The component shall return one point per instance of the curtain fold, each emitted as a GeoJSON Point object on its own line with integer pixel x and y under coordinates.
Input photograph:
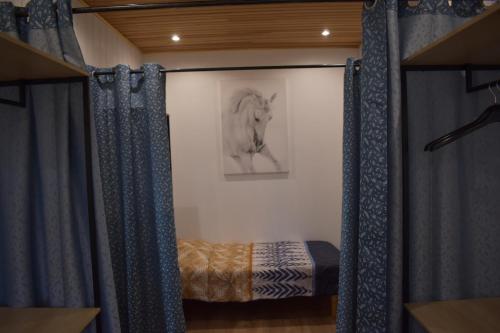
{"type": "Point", "coordinates": [44, 224]}
{"type": "Point", "coordinates": [350, 203]}
{"type": "Point", "coordinates": [134, 155]}
{"type": "Point", "coordinates": [370, 291]}
{"type": "Point", "coordinates": [371, 276]}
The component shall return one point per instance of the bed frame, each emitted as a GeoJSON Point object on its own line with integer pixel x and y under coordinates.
{"type": "Point", "coordinates": [317, 309]}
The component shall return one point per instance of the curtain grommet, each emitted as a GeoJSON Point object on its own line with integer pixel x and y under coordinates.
{"type": "Point", "coordinates": [368, 6]}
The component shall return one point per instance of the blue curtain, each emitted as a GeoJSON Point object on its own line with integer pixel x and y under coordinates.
{"type": "Point", "coordinates": [350, 208]}
{"type": "Point", "coordinates": [371, 277]}
{"type": "Point", "coordinates": [370, 265]}
{"type": "Point", "coordinates": [44, 223]}
{"type": "Point", "coordinates": [134, 155]}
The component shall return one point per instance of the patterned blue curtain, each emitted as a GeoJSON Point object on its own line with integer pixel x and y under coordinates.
{"type": "Point", "coordinates": [44, 224]}
{"type": "Point", "coordinates": [371, 277]}
{"type": "Point", "coordinates": [350, 211]}
{"type": "Point", "coordinates": [370, 266]}
{"type": "Point", "coordinates": [134, 155]}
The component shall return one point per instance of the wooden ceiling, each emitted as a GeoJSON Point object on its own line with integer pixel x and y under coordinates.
{"type": "Point", "coordinates": [238, 27]}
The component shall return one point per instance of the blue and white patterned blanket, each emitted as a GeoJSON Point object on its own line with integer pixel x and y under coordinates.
{"type": "Point", "coordinates": [289, 269]}
{"type": "Point", "coordinates": [282, 269]}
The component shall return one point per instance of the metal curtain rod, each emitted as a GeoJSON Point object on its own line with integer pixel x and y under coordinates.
{"type": "Point", "coordinates": [224, 69]}
{"type": "Point", "coordinates": [21, 11]}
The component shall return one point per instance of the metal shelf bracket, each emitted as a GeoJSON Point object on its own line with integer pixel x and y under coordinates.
{"type": "Point", "coordinates": [470, 87]}
{"type": "Point", "coordinates": [21, 102]}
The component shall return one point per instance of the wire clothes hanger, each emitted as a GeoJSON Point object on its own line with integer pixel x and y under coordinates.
{"type": "Point", "coordinates": [489, 116]}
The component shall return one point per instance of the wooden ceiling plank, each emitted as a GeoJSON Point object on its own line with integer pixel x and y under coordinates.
{"type": "Point", "coordinates": [233, 27]}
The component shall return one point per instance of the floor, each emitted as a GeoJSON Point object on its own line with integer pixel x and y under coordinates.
{"type": "Point", "coordinates": [298, 315]}
{"type": "Point", "coordinates": [311, 325]}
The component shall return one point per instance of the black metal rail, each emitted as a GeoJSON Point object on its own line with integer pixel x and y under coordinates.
{"type": "Point", "coordinates": [21, 11]}
{"type": "Point", "coordinates": [470, 87]}
{"type": "Point", "coordinates": [468, 69]}
{"type": "Point", "coordinates": [225, 69]}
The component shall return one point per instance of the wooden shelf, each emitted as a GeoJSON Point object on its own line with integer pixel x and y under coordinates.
{"type": "Point", "coordinates": [459, 316]}
{"type": "Point", "coordinates": [476, 42]}
{"type": "Point", "coordinates": [45, 320]}
{"type": "Point", "coordinates": [21, 61]}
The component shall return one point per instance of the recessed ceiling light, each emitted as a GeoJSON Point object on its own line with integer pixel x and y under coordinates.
{"type": "Point", "coordinates": [325, 33]}
{"type": "Point", "coordinates": [176, 38]}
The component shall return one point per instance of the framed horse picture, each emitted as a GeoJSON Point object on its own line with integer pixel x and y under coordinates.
{"type": "Point", "coordinates": [254, 126]}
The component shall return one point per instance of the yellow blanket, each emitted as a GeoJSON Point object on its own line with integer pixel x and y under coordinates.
{"type": "Point", "coordinates": [215, 272]}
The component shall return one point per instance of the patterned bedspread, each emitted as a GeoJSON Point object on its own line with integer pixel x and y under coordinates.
{"type": "Point", "coordinates": [244, 272]}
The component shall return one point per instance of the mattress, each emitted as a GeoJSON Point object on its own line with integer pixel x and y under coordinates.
{"type": "Point", "coordinates": [238, 272]}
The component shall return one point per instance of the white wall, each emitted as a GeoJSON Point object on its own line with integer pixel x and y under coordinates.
{"type": "Point", "coordinates": [101, 44]}
{"type": "Point", "coordinates": [304, 205]}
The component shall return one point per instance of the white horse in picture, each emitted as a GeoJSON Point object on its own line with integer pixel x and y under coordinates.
{"type": "Point", "coordinates": [244, 126]}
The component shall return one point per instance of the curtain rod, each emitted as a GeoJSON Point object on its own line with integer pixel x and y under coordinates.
{"type": "Point", "coordinates": [21, 11]}
{"type": "Point", "coordinates": [224, 69]}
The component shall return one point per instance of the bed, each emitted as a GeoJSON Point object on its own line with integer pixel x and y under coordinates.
{"type": "Point", "coordinates": [237, 272]}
